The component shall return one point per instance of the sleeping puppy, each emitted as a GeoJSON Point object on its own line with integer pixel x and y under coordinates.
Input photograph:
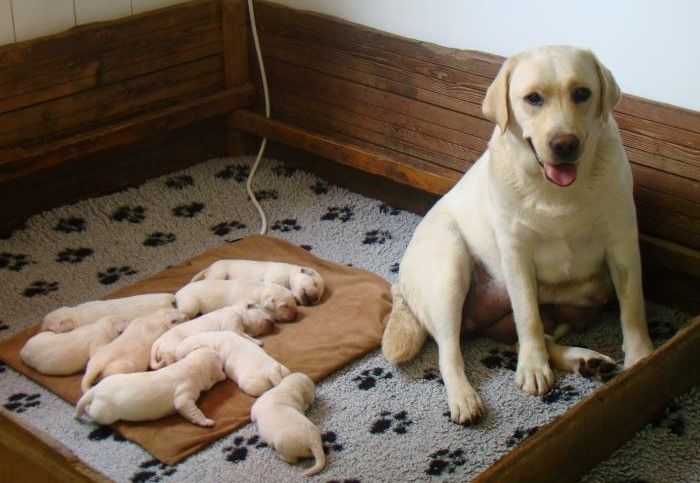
{"type": "Point", "coordinates": [246, 319]}
{"type": "Point", "coordinates": [538, 232]}
{"type": "Point", "coordinates": [68, 318]}
{"type": "Point", "coordinates": [145, 396]}
{"type": "Point", "coordinates": [130, 352]}
{"type": "Point", "coordinates": [305, 283]}
{"type": "Point", "coordinates": [279, 414]}
{"type": "Point", "coordinates": [67, 353]}
{"type": "Point", "coordinates": [245, 363]}
{"type": "Point", "coordinates": [207, 295]}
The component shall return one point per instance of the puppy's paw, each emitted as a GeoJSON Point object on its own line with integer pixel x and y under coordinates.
{"type": "Point", "coordinates": [534, 376]}
{"type": "Point", "coordinates": [205, 423]}
{"type": "Point", "coordinates": [466, 407]}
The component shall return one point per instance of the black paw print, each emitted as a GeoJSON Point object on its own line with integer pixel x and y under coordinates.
{"type": "Point", "coordinates": [223, 229]}
{"type": "Point", "coordinates": [40, 287]}
{"type": "Point", "coordinates": [101, 433]}
{"type": "Point", "coordinates": [433, 374]}
{"type": "Point", "coordinates": [188, 211]}
{"type": "Point", "coordinates": [670, 419]}
{"type": "Point", "coordinates": [239, 450]}
{"type": "Point", "coordinates": [507, 359]}
{"type": "Point", "coordinates": [445, 460]}
{"type": "Point", "coordinates": [661, 331]}
{"type": "Point", "coordinates": [3, 367]}
{"type": "Point", "coordinates": [73, 255]}
{"type": "Point", "coordinates": [384, 422]}
{"type": "Point", "coordinates": [519, 435]}
{"type": "Point", "coordinates": [132, 214]}
{"type": "Point", "coordinates": [286, 225]}
{"type": "Point", "coordinates": [159, 238]}
{"type": "Point", "coordinates": [308, 248]}
{"type": "Point", "coordinates": [565, 393]}
{"type": "Point", "coordinates": [152, 471]}
{"type": "Point", "coordinates": [386, 209]}
{"type": "Point", "coordinates": [262, 195]}
{"type": "Point", "coordinates": [238, 172]}
{"type": "Point", "coordinates": [394, 267]}
{"type": "Point", "coordinates": [179, 182]}
{"type": "Point", "coordinates": [20, 402]}
{"type": "Point", "coordinates": [368, 378]}
{"type": "Point", "coordinates": [320, 188]}
{"type": "Point", "coordinates": [376, 237]}
{"type": "Point", "coordinates": [14, 262]}
{"type": "Point", "coordinates": [284, 171]}
{"type": "Point", "coordinates": [3, 325]}
{"type": "Point", "coordinates": [112, 274]}
{"type": "Point", "coordinates": [343, 214]}
{"type": "Point", "coordinates": [72, 224]}
{"type": "Point", "coordinates": [330, 442]}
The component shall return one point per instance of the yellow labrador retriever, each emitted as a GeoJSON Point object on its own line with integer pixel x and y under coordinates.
{"type": "Point", "coordinates": [538, 232]}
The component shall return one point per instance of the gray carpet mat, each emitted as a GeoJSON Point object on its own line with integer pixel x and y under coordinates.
{"type": "Point", "coordinates": [379, 422]}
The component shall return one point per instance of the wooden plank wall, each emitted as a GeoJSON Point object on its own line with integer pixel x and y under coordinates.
{"type": "Point", "coordinates": [87, 92]}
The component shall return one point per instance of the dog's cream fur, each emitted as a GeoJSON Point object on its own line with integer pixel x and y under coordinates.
{"type": "Point", "coordinates": [245, 363]}
{"type": "Point", "coordinates": [305, 283]}
{"type": "Point", "coordinates": [248, 319]}
{"type": "Point", "coordinates": [542, 242]}
{"type": "Point", "coordinates": [67, 318]}
{"type": "Point", "coordinates": [61, 354]}
{"type": "Point", "coordinates": [130, 352]}
{"type": "Point", "coordinates": [145, 396]}
{"type": "Point", "coordinates": [282, 424]}
{"type": "Point", "coordinates": [206, 296]}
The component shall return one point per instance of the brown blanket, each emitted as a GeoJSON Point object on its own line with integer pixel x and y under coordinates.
{"type": "Point", "coordinates": [347, 324]}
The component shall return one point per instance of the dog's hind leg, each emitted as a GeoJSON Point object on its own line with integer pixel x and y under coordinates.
{"type": "Point", "coordinates": [404, 335]}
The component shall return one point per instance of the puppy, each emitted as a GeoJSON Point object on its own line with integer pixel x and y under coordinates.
{"type": "Point", "coordinates": [130, 352]}
{"type": "Point", "coordinates": [279, 414]}
{"type": "Point", "coordinates": [67, 353]}
{"type": "Point", "coordinates": [68, 318]}
{"type": "Point", "coordinates": [305, 283]}
{"type": "Point", "coordinates": [249, 319]}
{"type": "Point", "coordinates": [545, 219]}
{"type": "Point", "coordinates": [245, 363]}
{"type": "Point", "coordinates": [145, 396]}
{"type": "Point", "coordinates": [208, 295]}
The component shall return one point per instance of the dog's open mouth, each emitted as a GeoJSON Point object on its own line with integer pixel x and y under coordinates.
{"type": "Point", "coordinates": [562, 174]}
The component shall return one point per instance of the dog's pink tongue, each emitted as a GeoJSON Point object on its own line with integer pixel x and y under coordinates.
{"type": "Point", "coordinates": [561, 174]}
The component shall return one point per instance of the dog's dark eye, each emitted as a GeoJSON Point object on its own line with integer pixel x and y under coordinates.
{"type": "Point", "coordinates": [534, 99]}
{"type": "Point", "coordinates": [581, 95]}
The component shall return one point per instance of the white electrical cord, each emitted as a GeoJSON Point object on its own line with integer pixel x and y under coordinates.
{"type": "Point", "coordinates": [248, 185]}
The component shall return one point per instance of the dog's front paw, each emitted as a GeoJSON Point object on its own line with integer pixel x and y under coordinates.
{"type": "Point", "coordinates": [534, 375]}
{"type": "Point", "coordinates": [465, 407]}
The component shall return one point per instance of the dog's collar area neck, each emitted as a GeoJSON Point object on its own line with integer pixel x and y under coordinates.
{"type": "Point", "coordinates": [561, 175]}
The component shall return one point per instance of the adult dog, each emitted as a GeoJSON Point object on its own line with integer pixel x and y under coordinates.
{"type": "Point", "coordinates": [539, 231]}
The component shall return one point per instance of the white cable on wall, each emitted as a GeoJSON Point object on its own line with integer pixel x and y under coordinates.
{"type": "Point", "coordinates": [248, 185]}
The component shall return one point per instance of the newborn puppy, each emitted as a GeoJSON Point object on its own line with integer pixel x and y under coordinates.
{"type": "Point", "coordinates": [144, 396]}
{"type": "Point", "coordinates": [245, 363]}
{"type": "Point", "coordinates": [130, 351]}
{"type": "Point", "coordinates": [208, 295]}
{"type": "Point", "coordinates": [67, 353]}
{"type": "Point", "coordinates": [249, 319]}
{"type": "Point", "coordinates": [68, 318]}
{"type": "Point", "coordinates": [305, 283]}
{"type": "Point", "coordinates": [282, 424]}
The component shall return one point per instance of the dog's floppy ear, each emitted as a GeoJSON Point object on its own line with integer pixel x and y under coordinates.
{"type": "Point", "coordinates": [609, 90]}
{"type": "Point", "coordinates": [495, 106]}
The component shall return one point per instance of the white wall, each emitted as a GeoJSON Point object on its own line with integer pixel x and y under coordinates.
{"type": "Point", "coordinates": [651, 46]}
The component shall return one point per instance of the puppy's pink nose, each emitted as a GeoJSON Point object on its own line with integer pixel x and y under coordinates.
{"type": "Point", "coordinates": [564, 146]}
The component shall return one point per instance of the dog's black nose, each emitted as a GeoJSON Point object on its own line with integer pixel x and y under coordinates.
{"type": "Point", "coordinates": [564, 146]}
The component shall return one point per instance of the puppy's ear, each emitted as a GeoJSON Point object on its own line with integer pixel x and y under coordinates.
{"type": "Point", "coordinates": [609, 90]}
{"type": "Point", "coordinates": [496, 105]}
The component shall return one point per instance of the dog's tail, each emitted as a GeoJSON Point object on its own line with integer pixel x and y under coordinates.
{"type": "Point", "coordinates": [404, 334]}
{"type": "Point", "coordinates": [319, 456]}
{"type": "Point", "coordinates": [83, 403]}
{"type": "Point", "coordinates": [92, 373]}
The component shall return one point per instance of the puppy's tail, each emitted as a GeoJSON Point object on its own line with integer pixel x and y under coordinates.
{"type": "Point", "coordinates": [319, 456]}
{"type": "Point", "coordinates": [91, 374]}
{"type": "Point", "coordinates": [404, 335]}
{"type": "Point", "coordinates": [83, 403]}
